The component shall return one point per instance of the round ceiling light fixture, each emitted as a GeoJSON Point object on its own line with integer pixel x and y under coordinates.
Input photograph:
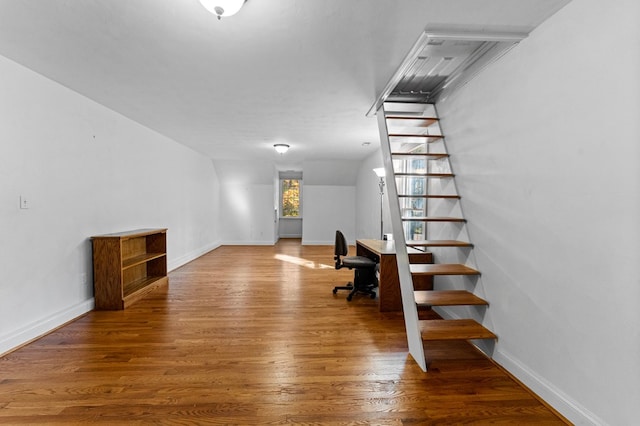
{"type": "Point", "coordinates": [222, 8]}
{"type": "Point", "coordinates": [281, 148]}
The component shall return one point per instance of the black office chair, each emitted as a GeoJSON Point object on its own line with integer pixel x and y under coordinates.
{"type": "Point", "coordinates": [364, 280]}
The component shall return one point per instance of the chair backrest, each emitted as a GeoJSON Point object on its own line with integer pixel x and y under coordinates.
{"type": "Point", "coordinates": [340, 248]}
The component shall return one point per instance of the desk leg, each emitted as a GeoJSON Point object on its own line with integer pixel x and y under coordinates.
{"type": "Point", "coordinates": [389, 297]}
{"type": "Point", "coordinates": [389, 286]}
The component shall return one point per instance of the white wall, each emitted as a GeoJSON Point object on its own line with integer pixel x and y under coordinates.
{"type": "Point", "coordinates": [545, 146]}
{"type": "Point", "coordinates": [368, 200]}
{"type": "Point", "coordinates": [247, 202]}
{"type": "Point", "coordinates": [247, 214]}
{"type": "Point", "coordinates": [329, 201]}
{"type": "Point", "coordinates": [290, 227]}
{"type": "Point", "coordinates": [326, 209]}
{"type": "Point", "coordinates": [85, 170]}
{"type": "Point", "coordinates": [334, 172]}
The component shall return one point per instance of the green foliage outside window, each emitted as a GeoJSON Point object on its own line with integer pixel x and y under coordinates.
{"type": "Point", "coordinates": [290, 198]}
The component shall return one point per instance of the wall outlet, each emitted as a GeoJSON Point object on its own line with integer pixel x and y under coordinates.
{"type": "Point", "coordinates": [24, 202]}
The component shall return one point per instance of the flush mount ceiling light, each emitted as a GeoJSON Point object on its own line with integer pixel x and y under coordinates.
{"type": "Point", "coordinates": [222, 8]}
{"type": "Point", "coordinates": [281, 148]}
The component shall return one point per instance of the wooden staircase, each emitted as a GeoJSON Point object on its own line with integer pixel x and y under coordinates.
{"type": "Point", "coordinates": [415, 154]}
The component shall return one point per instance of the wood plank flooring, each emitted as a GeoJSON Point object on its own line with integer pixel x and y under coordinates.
{"type": "Point", "coordinates": [253, 335]}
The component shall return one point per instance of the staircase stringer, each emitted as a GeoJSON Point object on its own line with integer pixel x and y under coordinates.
{"type": "Point", "coordinates": [412, 325]}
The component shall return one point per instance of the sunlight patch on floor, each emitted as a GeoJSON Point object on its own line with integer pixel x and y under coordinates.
{"type": "Point", "coordinates": [302, 262]}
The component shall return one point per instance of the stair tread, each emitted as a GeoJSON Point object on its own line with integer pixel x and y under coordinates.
{"type": "Point", "coordinates": [438, 243]}
{"type": "Point", "coordinates": [428, 196]}
{"type": "Point", "coordinates": [414, 135]}
{"type": "Point", "coordinates": [442, 269]}
{"type": "Point", "coordinates": [459, 329]}
{"type": "Point", "coordinates": [432, 219]}
{"type": "Point", "coordinates": [447, 298]}
{"type": "Point", "coordinates": [421, 154]}
{"type": "Point", "coordinates": [405, 103]}
{"type": "Point", "coordinates": [409, 117]}
{"type": "Point", "coordinates": [404, 121]}
{"type": "Point", "coordinates": [425, 174]}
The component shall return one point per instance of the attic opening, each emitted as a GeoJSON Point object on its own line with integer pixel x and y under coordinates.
{"type": "Point", "coordinates": [442, 61]}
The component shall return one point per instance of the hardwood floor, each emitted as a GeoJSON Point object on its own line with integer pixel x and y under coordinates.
{"type": "Point", "coordinates": [253, 335]}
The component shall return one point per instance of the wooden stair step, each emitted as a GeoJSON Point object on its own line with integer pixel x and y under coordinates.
{"type": "Point", "coordinates": [447, 298]}
{"type": "Point", "coordinates": [429, 175]}
{"type": "Point", "coordinates": [409, 115]}
{"type": "Point", "coordinates": [442, 269]}
{"type": "Point", "coordinates": [395, 138]}
{"type": "Point", "coordinates": [438, 243]}
{"type": "Point", "coordinates": [432, 219]}
{"type": "Point", "coordinates": [401, 120]}
{"type": "Point", "coordinates": [429, 196]}
{"type": "Point", "coordinates": [459, 329]}
{"type": "Point", "coordinates": [420, 154]}
{"type": "Point", "coordinates": [414, 135]}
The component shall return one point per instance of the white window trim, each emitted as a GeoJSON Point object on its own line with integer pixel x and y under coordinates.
{"type": "Point", "coordinates": [280, 207]}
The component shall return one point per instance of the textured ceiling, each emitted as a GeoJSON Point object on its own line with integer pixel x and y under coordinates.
{"type": "Point", "coordinates": [302, 72]}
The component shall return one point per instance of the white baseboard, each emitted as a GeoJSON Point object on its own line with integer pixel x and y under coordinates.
{"type": "Point", "coordinates": [17, 338]}
{"type": "Point", "coordinates": [317, 243]}
{"type": "Point", "coordinates": [562, 402]}
{"type": "Point", "coordinates": [553, 396]}
{"type": "Point", "coordinates": [192, 255]}
{"type": "Point", "coordinates": [248, 243]}
{"type": "Point", "coordinates": [39, 328]}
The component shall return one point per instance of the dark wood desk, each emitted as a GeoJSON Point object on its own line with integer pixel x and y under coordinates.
{"type": "Point", "coordinates": [389, 286]}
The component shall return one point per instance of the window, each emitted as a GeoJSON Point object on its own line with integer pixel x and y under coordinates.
{"type": "Point", "coordinates": [290, 194]}
{"type": "Point", "coordinates": [290, 197]}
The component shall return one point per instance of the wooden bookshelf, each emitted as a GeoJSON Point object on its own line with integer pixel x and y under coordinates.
{"type": "Point", "coordinates": [127, 266]}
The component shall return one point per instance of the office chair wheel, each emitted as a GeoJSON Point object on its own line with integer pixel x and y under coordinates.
{"type": "Point", "coordinates": [335, 291]}
{"type": "Point", "coordinates": [373, 295]}
{"type": "Point", "coordinates": [349, 297]}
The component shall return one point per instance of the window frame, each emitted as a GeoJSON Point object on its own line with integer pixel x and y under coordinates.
{"type": "Point", "coordinates": [281, 199]}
